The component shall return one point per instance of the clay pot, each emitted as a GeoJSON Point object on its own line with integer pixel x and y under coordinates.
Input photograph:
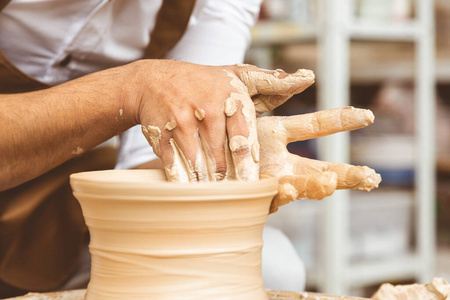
{"type": "Point", "coordinates": [153, 239]}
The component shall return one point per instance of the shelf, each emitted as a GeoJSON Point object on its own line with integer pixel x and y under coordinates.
{"type": "Point", "coordinates": [335, 70]}
{"type": "Point", "coordinates": [374, 273]}
{"type": "Point", "coordinates": [267, 33]}
{"type": "Point", "coordinates": [369, 273]}
{"type": "Point", "coordinates": [399, 32]}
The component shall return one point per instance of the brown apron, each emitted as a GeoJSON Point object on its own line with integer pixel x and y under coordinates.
{"type": "Point", "coordinates": [42, 230]}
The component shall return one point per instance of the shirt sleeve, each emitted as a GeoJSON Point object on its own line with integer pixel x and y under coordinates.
{"type": "Point", "coordinates": [218, 33]}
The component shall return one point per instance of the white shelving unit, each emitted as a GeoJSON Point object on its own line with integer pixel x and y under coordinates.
{"type": "Point", "coordinates": [334, 31]}
{"type": "Point", "coordinates": [337, 28]}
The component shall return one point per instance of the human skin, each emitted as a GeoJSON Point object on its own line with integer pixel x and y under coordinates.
{"type": "Point", "coordinates": [301, 177]}
{"type": "Point", "coordinates": [42, 129]}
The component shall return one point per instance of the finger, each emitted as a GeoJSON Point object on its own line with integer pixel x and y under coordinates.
{"type": "Point", "coordinates": [278, 82]}
{"type": "Point", "coordinates": [349, 176]}
{"type": "Point", "coordinates": [292, 187]}
{"type": "Point", "coordinates": [204, 160]}
{"type": "Point", "coordinates": [187, 142]}
{"type": "Point", "coordinates": [241, 131]}
{"type": "Point", "coordinates": [325, 122]}
{"type": "Point", "coordinates": [355, 177]}
{"type": "Point", "coordinates": [213, 139]}
{"type": "Point", "coordinates": [230, 173]}
{"type": "Point", "coordinates": [177, 168]}
{"type": "Point", "coordinates": [165, 148]}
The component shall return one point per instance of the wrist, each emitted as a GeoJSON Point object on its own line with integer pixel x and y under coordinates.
{"type": "Point", "coordinates": [129, 93]}
{"type": "Point", "coordinates": [139, 86]}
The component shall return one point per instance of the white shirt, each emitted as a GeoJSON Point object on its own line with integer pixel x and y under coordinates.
{"type": "Point", "coordinates": [37, 35]}
{"type": "Point", "coordinates": [55, 41]}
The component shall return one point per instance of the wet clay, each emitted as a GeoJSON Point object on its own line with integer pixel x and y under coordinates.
{"type": "Point", "coordinates": [78, 151]}
{"type": "Point", "coordinates": [306, 178]}
{"type": "Point", "coordinates": [177, 171]}
{"type": "Point", "coordinates": [199, 114]}
{"type": "Point", "coordinates": [153, 136]}
{"type": "Point", "coordinates": [171, 125]}
{"type": "Point", "coordinates": [245, 166]}
{"type": "Point", "coordinates": [438, 289]}
{"type": "Point", "coordinates": [153, 239]}
{"type": "Point", "coordinates": [271, 83]}
{"type": "Point", "coordinates": [255, 91]}
{"type": "Point", "coordinates": [182, 170]}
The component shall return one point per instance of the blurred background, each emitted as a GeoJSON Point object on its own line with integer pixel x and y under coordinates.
{"type": "Point", "coordinates": [393, 57]}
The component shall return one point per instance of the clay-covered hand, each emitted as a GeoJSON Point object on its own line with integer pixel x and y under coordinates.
{"type": "Point", "coordinates": [301, 177]}
{"type": "Point", "coordinates": [201, 120]}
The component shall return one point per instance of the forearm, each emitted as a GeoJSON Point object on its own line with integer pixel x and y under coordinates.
{"type": "Point", "coordinates": [40, 130]}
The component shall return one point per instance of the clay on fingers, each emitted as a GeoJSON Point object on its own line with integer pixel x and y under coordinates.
{"type": "Point", "coordinates": [244, 149]}
{"type": "Point", "coordinates": [355, 177]}
{"type": "Point", "coordinates": [292, 187]}
{"type": "Point", "coordinates": [170, 125]}
{"type": "Point", "coordinates": [153, 136]}
{"type": "Point", "coordinates": [199, 114]}
{"type": "Point", "coordinates": [325, 122]}
{"type": "Point", "coordinates": [273, 87]}
{"type": "Point", "coordinates": [348, 176]}
{"type": "Point", "coordinates": [307, 178]}
{"type": "Point", "coordinates": [181, 169]}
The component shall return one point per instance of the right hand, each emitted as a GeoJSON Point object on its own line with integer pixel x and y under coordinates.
{"type": "Point", "coordinates": [224, 143]}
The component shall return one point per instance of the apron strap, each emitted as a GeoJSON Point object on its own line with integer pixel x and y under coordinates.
{"type": "Point", "coordinates": [3, 3]}
{"type": "Point", "coordinates": [171, 23]}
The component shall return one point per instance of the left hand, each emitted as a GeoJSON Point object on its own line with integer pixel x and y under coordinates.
{"type": "Point", "coordinates": [301, 177]}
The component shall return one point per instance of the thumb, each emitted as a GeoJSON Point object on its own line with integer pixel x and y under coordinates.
{"type": "Point", "coordinates": [270, 89]}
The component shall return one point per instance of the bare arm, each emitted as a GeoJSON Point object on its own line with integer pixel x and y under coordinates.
{"type": "Point", "coordinates": [40, 130]}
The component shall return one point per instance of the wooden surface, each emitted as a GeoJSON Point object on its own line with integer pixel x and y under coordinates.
{"type": "Point", "coordinates": [273, 295]}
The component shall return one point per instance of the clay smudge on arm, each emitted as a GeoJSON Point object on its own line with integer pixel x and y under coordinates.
{"type": "Point", "coordinates": [153, 136]}
{"type": "Point", "coordinates": [78, 151]}
{"type": "Point", "coordinates": [199, 114]}
{"type": "Point", "coordinates": [170, 125]}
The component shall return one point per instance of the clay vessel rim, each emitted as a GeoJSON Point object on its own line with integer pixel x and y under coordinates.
{"type": "Point", "coordinates": [195, 198]}
{"type": "Point", "coordinates": [95, 177]}
{"type": "Point", "coordinates": [151, 185]}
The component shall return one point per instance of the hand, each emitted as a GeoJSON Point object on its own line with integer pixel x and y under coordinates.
{"type": "Point", "coordinates": [300, 177]}
{"type": "Point", "coordinates": [201, 120]}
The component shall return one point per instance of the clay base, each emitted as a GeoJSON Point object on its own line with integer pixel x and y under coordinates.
{"type": "Point", "coordinates": [153, 239]}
